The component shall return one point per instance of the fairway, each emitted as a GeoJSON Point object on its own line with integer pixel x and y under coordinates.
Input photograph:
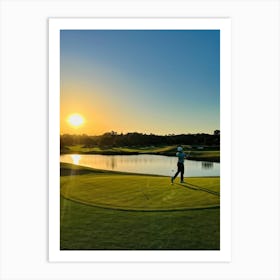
{"type": "Point", "coordinates": [141, 193]}
{"type": "Point", "coordinates": [104, 210]}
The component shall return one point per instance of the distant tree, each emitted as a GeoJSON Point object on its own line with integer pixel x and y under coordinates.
{"type": "Point", "coordinates": [113, 139]}
{"type": "Point", "coordinates": [217, 132]}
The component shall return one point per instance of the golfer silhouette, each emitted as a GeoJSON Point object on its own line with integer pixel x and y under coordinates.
{"type": "Point", "coordinates": [180, 164]}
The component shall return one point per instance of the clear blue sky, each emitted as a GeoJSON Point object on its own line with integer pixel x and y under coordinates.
{"type": "Point", "coordinates": [146, 81]}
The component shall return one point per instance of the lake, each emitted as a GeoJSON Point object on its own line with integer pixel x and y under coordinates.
{"type": "Point", "coordinates": [144, 164]}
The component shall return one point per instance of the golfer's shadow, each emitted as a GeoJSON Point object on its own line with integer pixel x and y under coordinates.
{"type": "Point", "coordinates": [197, 188]}
{"type": "Point", "coordinates": [189, 187]}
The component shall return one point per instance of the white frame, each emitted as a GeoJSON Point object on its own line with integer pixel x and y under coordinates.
{"type": "Point", "coordinates": [222, 24]}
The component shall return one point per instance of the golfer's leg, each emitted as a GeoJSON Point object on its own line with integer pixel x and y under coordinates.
{"type": "Point", "coordinates": [182, 172]}
{"type": "Point", "coordinates": [178, 170]}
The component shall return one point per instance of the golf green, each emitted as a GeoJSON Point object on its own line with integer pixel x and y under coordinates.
{"type": "Point", "coordinates": [141, 192]}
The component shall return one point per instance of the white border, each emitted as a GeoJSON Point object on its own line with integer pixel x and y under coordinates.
{"type": "Point", "coordinates": [55, 25]}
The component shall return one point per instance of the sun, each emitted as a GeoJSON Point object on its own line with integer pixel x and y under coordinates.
{"type": "Point", "coordinates": [75, 120]}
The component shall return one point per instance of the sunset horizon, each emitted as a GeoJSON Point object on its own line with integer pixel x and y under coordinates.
{"type": "Point", "coordinates": [150, 81]}
{"type": "Point", "coordinates": [137, 132]}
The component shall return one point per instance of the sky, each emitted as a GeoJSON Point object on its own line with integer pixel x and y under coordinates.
{"type": "Point", "coordinates": [147, 81]}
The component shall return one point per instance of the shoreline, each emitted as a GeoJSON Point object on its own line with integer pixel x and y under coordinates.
{"type": "Point", "coordinates": [116, 153]}
{"type": "Point", "coordinates": [72, 169]}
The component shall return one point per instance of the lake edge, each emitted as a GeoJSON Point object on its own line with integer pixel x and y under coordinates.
{"type": "Point", "coordinates": [122, 163]}
{"type": "Point", "coordinates": [117, 153]}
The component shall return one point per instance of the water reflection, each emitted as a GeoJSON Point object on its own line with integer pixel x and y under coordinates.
{"type": "Point", "coordinates": [147, 164]}
{"type": "Point", "coordinates": [111, 163]}
{"type": "Point", "coordinates": [75, 159]}
{"type": "Point", "coordinates": [207, 164]}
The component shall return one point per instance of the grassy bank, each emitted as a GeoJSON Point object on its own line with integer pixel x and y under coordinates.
{"type": "Point", "coordinates": [113, 210]}
{"type": "Point", "coordinates": [207, 154]}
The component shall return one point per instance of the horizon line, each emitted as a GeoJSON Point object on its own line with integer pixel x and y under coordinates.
{"type": "Point", "coordinates": [135, 132]}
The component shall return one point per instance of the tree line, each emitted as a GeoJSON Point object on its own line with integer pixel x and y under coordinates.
{"type": "Point", "coordinates": [113, 139]}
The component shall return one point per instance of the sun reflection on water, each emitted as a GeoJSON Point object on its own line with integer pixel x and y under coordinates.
{"type": "Point", "coordinates": [75, 159]}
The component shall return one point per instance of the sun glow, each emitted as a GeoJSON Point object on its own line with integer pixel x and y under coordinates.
{"type": "Point", "coordinates": [75, 120]}
{"type": "Point", "coordinates": [75, 159]}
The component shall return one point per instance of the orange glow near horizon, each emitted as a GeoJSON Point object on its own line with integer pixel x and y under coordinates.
{"type": "Point", "coordinates": [95, 114]}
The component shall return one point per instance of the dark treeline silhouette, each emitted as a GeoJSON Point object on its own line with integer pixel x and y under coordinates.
{"type": "Point", "coordinates": [113, 139]}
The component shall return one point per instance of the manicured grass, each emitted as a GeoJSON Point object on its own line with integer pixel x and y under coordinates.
{"type": "Point", "coordinates": [213, 156]}
{"type": "Point", "coordinates": [91, 217]}
{"type": "Point", "coordinates": [136, 192]}
{"type": "Point", "coordinates": [91, 228]}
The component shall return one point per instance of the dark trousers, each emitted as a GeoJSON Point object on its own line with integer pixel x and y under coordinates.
{"type": "Point", "coordinates": [180, 169]}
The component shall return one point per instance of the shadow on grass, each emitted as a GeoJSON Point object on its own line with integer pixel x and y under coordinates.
{"type": "Point", "coordinates": [190, 187]}
{"type": "Point", "coordinates": [197, 188]}
{"type": "Point", "coordinates": [71, 172]}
